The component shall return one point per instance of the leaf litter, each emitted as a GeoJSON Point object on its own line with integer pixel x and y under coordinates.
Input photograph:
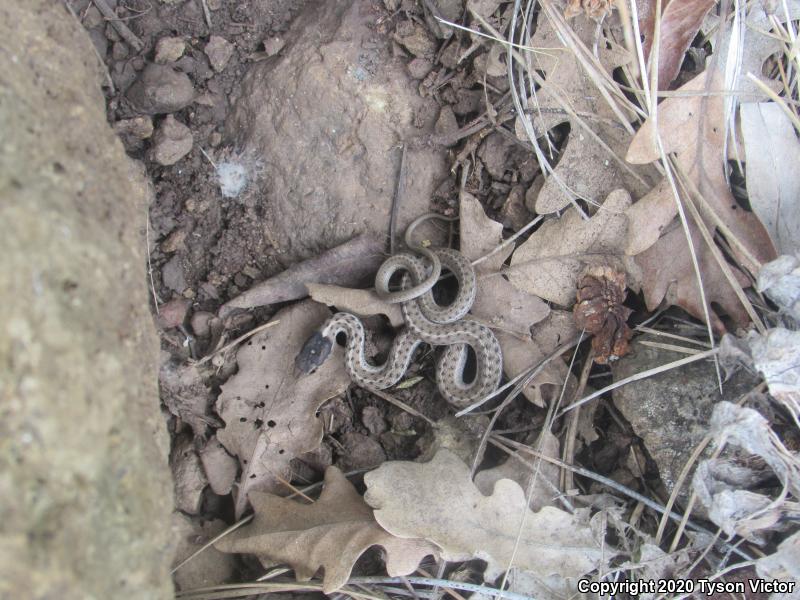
{"type": "Point", "coordinates": [607, 240]}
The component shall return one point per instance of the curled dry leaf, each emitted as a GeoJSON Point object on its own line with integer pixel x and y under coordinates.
{"type": "Point", "coordinates": [438, 501]}
{"type": "Point", "coordinates": [588, 169]}
{"type": "Point", "coordinates": [361, 303]}
{"type": "Point", "coordinates": [772, 153]}
{"type": "Point", "coordinates": [331, 533]}
{"type": "Point", "coordinates": [348, 264]}
{"type": "Point", "coordinates": [269, 412]}
{"type": "Point", "coordinates": [549, 263]}
{"type": "Point", "coordinates": [599, 310]}
{"type": "Point", "coordinates": [680, 22]}
{"type": "Point", "coordinates": [186, 395]}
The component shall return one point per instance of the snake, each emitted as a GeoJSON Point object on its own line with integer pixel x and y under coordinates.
{"type": "Point", "coordinates": [426, 322]}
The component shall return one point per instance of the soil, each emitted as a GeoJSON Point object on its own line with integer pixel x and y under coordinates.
{"type": "Point", "coordinates": [207, 245]}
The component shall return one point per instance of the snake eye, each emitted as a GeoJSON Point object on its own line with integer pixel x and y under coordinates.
{"type": "Point", "coordinates": [314, 352]}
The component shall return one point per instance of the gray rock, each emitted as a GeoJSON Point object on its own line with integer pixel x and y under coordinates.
{"type": "Point", "coordinates": [169, 49]}
{"type": "Point", "coordinates": [219, 51]}
{"type": "Point", "coordinates": [325, 120]}
{"type": "Point", "coordinates": [161, 89]}
{"type": "Point", "coordinates": [139, 128]}
{"type": "Point", "coordinates": [173, 140]}
{"type": "Point", "coordinates": [85, 491]}
{"type": "Point", "coordinates": [187, 472]}
{"type": "Point", "coordinates": [671, 411]}
{"type": "Point", "coordinates": [172, 275]}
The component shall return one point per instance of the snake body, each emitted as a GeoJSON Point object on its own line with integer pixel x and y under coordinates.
{"type": "Point", "coordinates": [426, 322]}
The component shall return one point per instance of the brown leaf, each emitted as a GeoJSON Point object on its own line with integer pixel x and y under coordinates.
{"type": "Point", "coordinates": [269, 413]}
{"type": "Point", "coordinates": [680, 22]}
{"type": "Point", "coordinates": [438, 501]}
{"type": "Point", "coordinates": [549, 263]}
{"type": "Point", "coordinates": [348, 264]}
{"type": "Point", "coordinates": [186, 395]}
{"type": "Point", "coordinates": [361, 303]}
{"type": "Point", "coordinates": [584, 165]}
{"type": "Point", "coordinates": [331, 533]}
{"type": "Point", "coordinates": [693, 128]}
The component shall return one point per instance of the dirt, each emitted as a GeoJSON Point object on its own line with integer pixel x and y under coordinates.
{"type": "Point", "coordinates": [277, 133]}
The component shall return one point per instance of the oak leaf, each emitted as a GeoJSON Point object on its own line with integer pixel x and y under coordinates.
{"type": "Point", "coordinates": [330, 533]}
{"type": "Point", "coordinates": [549, 263]}
{"type": "Point", "coordinates": [438, 501]}
{"type": "Point", "coordinates": [586, 168]}
{"type": "Point", "coordinates": [270, 412]}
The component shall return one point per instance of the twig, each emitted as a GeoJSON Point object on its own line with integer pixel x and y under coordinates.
{"type": "Point", "coordinates": [147, 249]}
{"type": "Point", "coordinates": [238, 340]}
{"type": "Point", "coordinates": [206, 13]}
{"type": "Point", "coordinates": [568, 455]}
{"type": "Point", "coordinates": [399, 193]}
{"type": "Point", "coordinates": [121, 28]}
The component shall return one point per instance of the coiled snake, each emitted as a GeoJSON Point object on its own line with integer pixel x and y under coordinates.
{"type": "Point", "coordinates": [426, 322]}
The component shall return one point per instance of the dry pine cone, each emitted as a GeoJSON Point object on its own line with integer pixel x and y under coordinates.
{"type": "Point", "coordinates": [599, 310]}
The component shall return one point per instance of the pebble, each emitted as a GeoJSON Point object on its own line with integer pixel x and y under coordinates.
{"type": "Point", "coordinates": [119, 51]}
{"type": "Point", "coordinates": [273, 45]}
{"type": "Point", "coordinates": [160, 89]}
{"type": "Point", "coordinates": [172, 275]}
{"type": "Point", "coordinates": [139, 128]}
{"type": "Point", "coordinates": [419, 67]}
{"type": "Point", "coordinates": [169, 49]}
{"type": "Point", "coordinates": [219, 52]}
{"type": "Point", "coordinates": [172, 141]}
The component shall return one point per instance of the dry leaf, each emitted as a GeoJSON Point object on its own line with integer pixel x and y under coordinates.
{"type": "Point", "coordinates": [694, 129]}
{"type": "Point", "coordinates": [361, 303]}
{"type": "Point", "coordinates": [680, 22]}
{"type": "Point", "coordinates": [549, 263]}
{"type": "Point", "coordinates": [772, 155]}
{"type": "Point", "coordinates": [497, 303]}
{"type": "Point", "coordinates": [586, 168]}
{"type": "Point", "coordinates": [509, 311]}
{"type": "Point", "coordinates": [208, 568]}
{"type": "Point", "coordinates": [331, 533]}
{"type": "Point", "coordinates": [438, 501]}
{"type": "Point", "coordinates": [269, 413]}
{"type": "Point", "coordinates": [545, 485]}
{"type": "Point", "coordinates": [347, 264]}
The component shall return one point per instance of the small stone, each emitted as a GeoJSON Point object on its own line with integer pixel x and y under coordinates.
{"type": "Point", "coordinates": [160, 89]}
{"type": "Point", "coordinates": [219, 52]}
{"type": "Point", "coordinates": [201, 324]}
{"type": "Point", "coordinates": [169, 49]}
{"type": "Point", "coordinates": [173, 313]}
{"type": "Point", "coordinates": [446, 124]}
{"type": "Point", "coordinates": [215, 139]}
{"type": "Point", "coordinates": [214, 4]}
{"type": "Point", "coordinates": [173, 241]}
{"type": "Point", "coordinates": [172, 275]}
{"type": "Point", "coordinates": [172, 142]}
{"type": "Point", "coordinates": [415, 38]}
{"type": "Point", "coordinates": [360, 452]}
{"type": "Point", "coordinates": [120, 51]}
{"type": "Point", "coordinates": [273, 45]}
{"type": "Point", "coordinates": [140, 128]}
{"type": "Point", "coordinates": [251, 272]}
{"type": "Point", "coordinates": [240, 279]}
{"type": "Point", "coordinates": [419, 68]}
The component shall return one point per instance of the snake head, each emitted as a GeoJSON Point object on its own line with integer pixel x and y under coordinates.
{"type": "Point", "coordinates": [315, 351]}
